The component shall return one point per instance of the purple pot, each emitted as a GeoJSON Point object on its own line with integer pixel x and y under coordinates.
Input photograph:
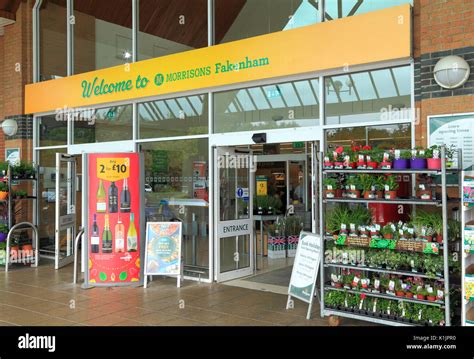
{"type": "Point", "coordinates": [3, 237]}
{"type": "Point", "coordinates": [418, 163]}
{"type": "Point", "coordinates": [401, 164]}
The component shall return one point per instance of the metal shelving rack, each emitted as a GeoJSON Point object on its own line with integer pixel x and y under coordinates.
{"type": "Point", "coordinates": [441, 203]}
{"type": "Point", "coordinates": [9, 201]}
{"type": "Point", "coordinates": [467, 215]}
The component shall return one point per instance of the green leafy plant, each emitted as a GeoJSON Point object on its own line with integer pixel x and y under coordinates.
{"type": "Point", "coordinates": [337, 216]}
{"type": "Point", "coordinates": [366, 182]}
{"type": "Point", "coordinates": [379, 183]}
{"type": "Point", "coordinates": [330, 182]}
{"type": "Point", "coordinates": [454, 229]}
{"type": "Point", "coordinates": [3, 168]}
{"type": "Point", "coordinates": [293, 225]}
{"type": "Point", "coordinates": [353, 181]}
{"type": "Point", "coordinates": [405, 154]}
{"type": "Point", "coordinates": [23, 169]}
{"type": "Point", "coordinates": [3, 186]}
{"type": "Point", "coordinates": [3, 228]}
{"type": "Point", "coordinates": [432, 265]}
{"type": "Point", "coordinates": [391, 182]}
{"type": "Point", "coordinates": [388, 229]}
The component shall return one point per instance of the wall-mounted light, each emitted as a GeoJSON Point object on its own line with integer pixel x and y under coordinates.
{"type": "Point", "coordinates": [451, 72]}
{"type": "Point", "coordinates": [9, 127]}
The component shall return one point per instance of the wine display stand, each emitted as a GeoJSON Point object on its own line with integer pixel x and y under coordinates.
{"type": "Point", "coordinates": [329, 267]}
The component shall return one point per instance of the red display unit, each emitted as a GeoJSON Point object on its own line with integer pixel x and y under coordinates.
{"type": "Point", "coordinates": [113, 221]}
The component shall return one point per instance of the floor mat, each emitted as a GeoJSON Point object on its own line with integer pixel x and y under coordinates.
{"type": "Point", "coordinates": [277, 277]}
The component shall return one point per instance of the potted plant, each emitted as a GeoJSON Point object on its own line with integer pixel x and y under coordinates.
{"type": "Point", "coordinates": [366, 183]}
{"type": "Point", "coordinates": [418, 159]}
{"type": "Point", "coordinates": [431, 296]}
{"type": "Point", "coordinates": [391, 186]}
{"type": "Point", "coordinates": [338, 216]}
{"type": "Point", "coordinates": [353, 187]}
{"type": "Point", "coordinates": [3, 190]}
{"type": "Point", "coordinates": [328, 164]}
{"type": "Point", "coordinates": [331, 186]}
{"type": "Point", "coordinates": [433, 159]}
{"type": "Point", "coordinates": [388, 231]}
{"type": "Point", "coordinates": [386, 161]}
{"type": "Point", "coordinates": [3, 169]}
{"type": "Point", "coordinates": [423, 193]}
{"type": "Point", "coordinates": [436, 222]}
{"type": "Point", "coordinates": [3, 232]}
{"type": "Point", "coordinates": [338, 157]}
{"type": "Point", "coordinates": [379, 185]}
{"type": "Point", "coordinates": [421, 293]}
{"type": "Point", "coordinates": [373, 158]}
{"type": "Point", "coordinates": [399, 292]}
{"type": "Point", "coordinates": [411, 291]}
{"type": "Point", "coordinates": [402, 159]}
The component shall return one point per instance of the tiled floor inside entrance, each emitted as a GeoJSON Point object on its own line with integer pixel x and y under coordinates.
{"type": "Point", "coordinates": [43, 296]}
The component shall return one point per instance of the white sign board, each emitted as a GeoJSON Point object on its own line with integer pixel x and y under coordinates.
{"type": "Point", "coordinates": [456, 131]}
{"type": "Point", "coordinates": [305, 268]}
{"type": "Point", "coordinates": [234, 228]}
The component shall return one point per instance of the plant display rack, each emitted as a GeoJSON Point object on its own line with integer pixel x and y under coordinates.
{"type": "Point", "coordinates": [9, 202]}
{"type": "Point", "coordinates": [467, 221]}
{"type": "Point", "coordinates": [328, 267]}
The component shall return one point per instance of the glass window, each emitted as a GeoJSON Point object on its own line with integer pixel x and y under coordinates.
{"type": "Point", "coordinates": [293, 104]}
{"type": "Point", "coordinates": [53, 40]}
{"type": "Point", "coordinates": [336, 9]}
{"type": "Point", "coordinates": [384, 137]}
{"type": "Point", "coordinates": [47, 199]}
{"type": "Point", "coordinates": [236, 20]}
{"type": "Point", "coordinates": [170, 27]}
{"type": "Point", "coordinates": [368, 96]}
{"type": "Point", "coordinates": [103, 125]}
{"type": "Point", "coordinates": [174, 117]}
{"type": "Point", "coordinates": [102, 34]}
{"type": "Point", "coordinates": [177, 189]}
{"type": "Point", "coordinates": [52, 130]}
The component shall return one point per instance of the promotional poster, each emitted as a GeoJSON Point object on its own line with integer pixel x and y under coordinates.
{"type": "Point", "coordinates": [114, 218]}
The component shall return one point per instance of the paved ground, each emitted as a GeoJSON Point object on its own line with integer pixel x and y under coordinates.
{"type": "Point", "coordinates": [44, 296]}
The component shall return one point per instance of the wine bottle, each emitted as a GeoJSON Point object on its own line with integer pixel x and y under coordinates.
{"type": "Point", "coordinates": [101, 205]}
{"type": "Point", "coordinates": [113, 198]}
{"type": "Point", "coordinates": [125, 198]}
{"type": "Point", "coordinates": [107, 237]}
{"type": "Point", "coordinates": [119, 237]}
{"type": "Point", "coordinates": [132, 235]}
{"type": "Point", "coordinates": [95, 236]}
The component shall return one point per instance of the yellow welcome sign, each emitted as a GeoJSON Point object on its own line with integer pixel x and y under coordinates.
{"type": "Point", "coordinates": [368, 38]}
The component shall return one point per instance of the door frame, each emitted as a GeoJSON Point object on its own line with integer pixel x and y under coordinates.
{"type": "Point", "coordinates": [70, 224]}
{"type": "Point", "coordinates": [313, 134]}
{"type": "Point", "coordinates": [242, 272]}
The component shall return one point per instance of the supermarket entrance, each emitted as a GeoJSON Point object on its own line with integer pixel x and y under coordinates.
{"type": "Point", "coordinates": [266, 194]}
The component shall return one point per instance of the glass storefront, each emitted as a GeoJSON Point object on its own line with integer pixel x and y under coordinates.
{"type": "Point", "coordinates": [368, 96]}
{"type": "Point", "coordinates": [53, 40]}
{"type": "Point", "coordinates": [293, 104]}
{"type": "Point", "coordinates": [236, 20]}
{"type": "Point", "coordinates": [102, 38]}
{"type": "Point", "coordinates": [174, 117]}
{"type": "Point", "coordinates": [103, 125]}
{"type": "Point", "coordinates": [177, 189]}
{"type": "Point", "coordinates": [170, 27]}
{"type": "Point", "coordinates": [52, 130]}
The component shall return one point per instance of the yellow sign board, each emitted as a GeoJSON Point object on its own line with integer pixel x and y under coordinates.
{"type": "Point", "coordinates": [367, 38]}
{"type": "Point", "coordinates": [113, 169]}
{"type": "Point", "coordinates": [262, 186]}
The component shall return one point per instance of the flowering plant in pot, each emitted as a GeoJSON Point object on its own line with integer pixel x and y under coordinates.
{"type": "Point", "coordinates": [328, 163]}
{"type": "Point", "coordinates": [366, 183]}
{"type": "Point", "coordinates": [402, 159]}
{"type": "Point", "coordinates": [3, 190]}
{"type": "Point", "coordinates": [373, 158]}
{"type": "Point", "coordinates": [410, 291]}
{"type": "Point", "coordinates": [421, 293]}
{"type": "Point", "coordinates": [3, 232]}
{"type": "Point", "coordinates": [430, 294]}
{"type": "Point", "coordinates": [386, 161]}
{"type": "Point", "coordinates": [338, 157]}
{"type": "Point", "coordinates": [418, 159]}
{"type": "Point", "coordinates": [399, 291]}
{"type": "Point", "coordinates": [391, 186]}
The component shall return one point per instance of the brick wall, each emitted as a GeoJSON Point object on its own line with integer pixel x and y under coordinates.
{"type": "Point", "coordinates": [15, 73]}
{"type": "Point", "coordinates": [441, 28]}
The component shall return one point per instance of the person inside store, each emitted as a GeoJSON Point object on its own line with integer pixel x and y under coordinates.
{"type": "Point", "coordinates": [298, 191]}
